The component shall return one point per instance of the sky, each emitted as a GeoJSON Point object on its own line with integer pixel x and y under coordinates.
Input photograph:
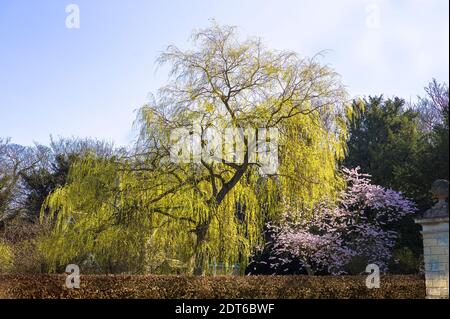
{"type": "Point", "coordinates": [89, 81]}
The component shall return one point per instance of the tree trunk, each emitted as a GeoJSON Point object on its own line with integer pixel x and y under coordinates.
{"type": "Point", "coordinates": [201, 257]}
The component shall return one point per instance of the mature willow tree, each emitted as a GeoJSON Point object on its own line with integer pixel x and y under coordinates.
{"type": "Point", "coordinates": [214, 202]}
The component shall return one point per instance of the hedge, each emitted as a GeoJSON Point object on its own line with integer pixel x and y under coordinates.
{"type": "Point", "coordinates": [182, 287]}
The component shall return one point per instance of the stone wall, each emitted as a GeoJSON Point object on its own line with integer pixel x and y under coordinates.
{"type": "Point", "coordinates": [435, 243]}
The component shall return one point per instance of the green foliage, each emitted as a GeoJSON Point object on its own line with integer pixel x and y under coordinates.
{"type": "Point", "coordinates": [40, 182]}
{"type": "Point", "coordinates": [5, 193]}
{"type": "Point", "coordinates": [107, 213]}
{"type": "Point", "coordinates": [383, 141]}
{"type": "Point", "coordinates": [357, 265]}
{"type": "Point", "coordinates": [403, 148]}
{"type": "Point", "coordinates": [405, 261]}
{"type": "Point", "coordinates": [93, 220]}
{"type": "Point", "coordinates": [51, 168]}
{"type": "Point", "coordinates": [6, 258]}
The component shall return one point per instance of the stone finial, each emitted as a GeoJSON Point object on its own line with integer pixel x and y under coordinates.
{"type": "Point", "coordinates": [439, 190]}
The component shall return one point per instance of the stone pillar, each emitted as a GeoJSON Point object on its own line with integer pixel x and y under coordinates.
{"type": "Point", "coordinates": [435, 243]}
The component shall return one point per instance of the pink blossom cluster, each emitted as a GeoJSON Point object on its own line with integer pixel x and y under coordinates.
{"type": "Point", "coordinates": [358, 226]}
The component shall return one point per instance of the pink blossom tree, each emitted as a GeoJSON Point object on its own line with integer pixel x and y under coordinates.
{"type": "Point", "coordinates": [358, 226]}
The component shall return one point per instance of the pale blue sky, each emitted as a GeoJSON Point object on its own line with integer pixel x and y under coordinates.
{"type": "Point", "coordinates": [88, 82]}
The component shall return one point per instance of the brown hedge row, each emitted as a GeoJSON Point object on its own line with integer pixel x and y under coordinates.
{"type": "Point", "coordinates": [174, 287]}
